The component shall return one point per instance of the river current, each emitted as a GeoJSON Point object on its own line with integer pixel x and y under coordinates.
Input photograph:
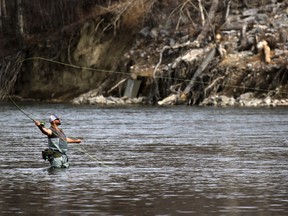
{"type": "Point", "coordinates": [147, 160]}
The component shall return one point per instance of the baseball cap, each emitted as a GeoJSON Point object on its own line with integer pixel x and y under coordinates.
{"type": "Point", "coordinates": [52, 118]}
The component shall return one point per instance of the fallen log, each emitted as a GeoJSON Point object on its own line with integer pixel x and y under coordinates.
{"type": "Point", "coordinates": [200, 69]}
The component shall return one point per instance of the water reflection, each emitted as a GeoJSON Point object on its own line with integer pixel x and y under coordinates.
{"type": "Point", "coordinates": [158, 161]}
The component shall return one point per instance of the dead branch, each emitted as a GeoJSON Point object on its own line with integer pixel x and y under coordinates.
{"type": "Point", "coordinates": [98, 24]}
{"type": "Point", "coordinates": [175, 88]}
{"type": "Point", "coordinates": [119, 13]}
{"type": "Point", "coordinates": [179, 9]}
{"type": "Point", "coordinates": [243, 42]}
{"type": "Point", "coordinates": [117, 85]}
{"type": "Point", "coordinates": [227, 10]}
{"type": "Point", "coordinates": [156, 68]}
{"type": "Point", "coordinates": [212, 84]}
{"type": "Point", "coordinates": [186, 44]}
{"type": "Point", "coordinates": [201, 12]}
{"type": "Point", "coordinates": [200, 69]}
{"type": "Point", "coordinates": [190, 18]}
{"type": "Point", "coordinates": [221, 50]}
{"type": "Point", "coordinates": [160, 60]}
{"type": "Point", "coordinates": [173, 11]}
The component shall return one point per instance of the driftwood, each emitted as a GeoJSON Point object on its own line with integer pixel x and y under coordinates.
{"type": "Point", "coordinates": [170, 100]}
{"type": "Point", "coordinates": [200, 69]}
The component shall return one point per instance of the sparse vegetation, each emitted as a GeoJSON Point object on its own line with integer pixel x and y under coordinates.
{"type": "Point", "coordinates": [147, 40]}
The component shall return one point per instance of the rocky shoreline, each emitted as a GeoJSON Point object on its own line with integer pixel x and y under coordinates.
{"type": "Point", "coordinates": [101, 100]}
{"type": "Point", "coordinates": [244, 100]}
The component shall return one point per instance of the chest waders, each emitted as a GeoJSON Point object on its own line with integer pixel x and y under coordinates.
{"type": "Point", "coordinates": [57, 152]}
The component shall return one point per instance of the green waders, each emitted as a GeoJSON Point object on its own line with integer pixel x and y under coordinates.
{"type": "Point", "coordinates": [56, 159]}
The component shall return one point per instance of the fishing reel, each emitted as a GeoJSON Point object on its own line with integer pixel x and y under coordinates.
{"type": "Point", "coordinates": [42, 123]}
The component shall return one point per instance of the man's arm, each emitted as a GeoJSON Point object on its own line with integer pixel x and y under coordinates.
{"type": "Point", "coordinates": [71, 140]}
{"type": "Point", "coordinates": [44, 130]}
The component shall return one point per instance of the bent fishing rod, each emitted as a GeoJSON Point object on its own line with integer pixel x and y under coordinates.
{"type": "Point", "coordinates": [22, 111]}
{"type": "Point", "coordinates": [15, 104]}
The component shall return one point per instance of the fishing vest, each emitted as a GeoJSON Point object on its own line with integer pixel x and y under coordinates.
{"type": "Point", "coordinates": [57, 141]}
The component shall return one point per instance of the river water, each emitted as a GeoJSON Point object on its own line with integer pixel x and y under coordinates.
{"type": "Point", "coordinates": [145, 160]}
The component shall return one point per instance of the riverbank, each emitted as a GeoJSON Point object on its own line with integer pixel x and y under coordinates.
{"type": "Point", "coordinates": [245, 100]}
{"type": "Point", "coordinates": [179, 56]}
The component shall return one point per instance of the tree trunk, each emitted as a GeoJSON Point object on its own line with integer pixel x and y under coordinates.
{"type": "Point", "coordinates": [4, 9]}
{"type": "Point", "coordinates": [20, 20]}
{"type": "Point", "coordinates": [3, 13]}
{"type": "Point", "coordinates": [1, 16]}
{"type": "Point", "coordinates": [203, 35]}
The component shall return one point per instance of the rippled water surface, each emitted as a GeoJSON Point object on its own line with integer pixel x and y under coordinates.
{"type": "Point", "coordinates": [147, 161]}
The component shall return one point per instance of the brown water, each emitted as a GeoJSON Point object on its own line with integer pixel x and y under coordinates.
{"type": "Point", "coordinates": [147, 161]}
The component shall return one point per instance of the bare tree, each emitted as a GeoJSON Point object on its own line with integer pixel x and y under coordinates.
{"type": "Point", "coordinates": [3, 13]}
{"type": "Point", "coordinates": [20, 19]}
{"type": "Point", "coordinates": [1, 16]}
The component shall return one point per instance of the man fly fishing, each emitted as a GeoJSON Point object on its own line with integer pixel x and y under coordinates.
{"type": "Point", "coordinates": [56, 154]}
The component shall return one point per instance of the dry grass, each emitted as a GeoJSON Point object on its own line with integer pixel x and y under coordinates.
{"type": "Point", "coordinates": [129, 13]}
{"type": "Point", "coordinates": [136, 12]}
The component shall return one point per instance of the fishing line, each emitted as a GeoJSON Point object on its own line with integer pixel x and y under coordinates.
{"type": "Point", "coordinates": [83, 150]}
{"type": "Point", "coordinates": [74, 66]}
{"type": "Point", "coordinates": [127, 73]}
{"type": "Point", "coordinates": [90, 156]}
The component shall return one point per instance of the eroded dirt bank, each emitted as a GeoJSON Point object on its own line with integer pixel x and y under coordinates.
{"type": "Point", "coordinates": [179, 58]}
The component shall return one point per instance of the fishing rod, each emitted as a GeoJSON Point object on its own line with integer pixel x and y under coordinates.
{"type": "Point", "coordinates": [80, 148]}
{"type": "Point", "coordinates": [15, 104]}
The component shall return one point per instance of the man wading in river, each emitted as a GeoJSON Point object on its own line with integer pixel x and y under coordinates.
{"type": "Point", "coordinates": [57, 142]}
